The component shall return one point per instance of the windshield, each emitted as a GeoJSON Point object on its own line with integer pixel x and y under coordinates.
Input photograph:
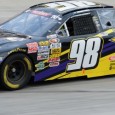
{"type": "Point", "coordinates": [34, 23]}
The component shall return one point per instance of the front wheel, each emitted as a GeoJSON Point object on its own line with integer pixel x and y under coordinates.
{"type": "Point", "coordinates": [16, 72]}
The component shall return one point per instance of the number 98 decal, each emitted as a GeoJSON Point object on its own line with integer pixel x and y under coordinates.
{"type": "Point", "coordinates": [86, 54]}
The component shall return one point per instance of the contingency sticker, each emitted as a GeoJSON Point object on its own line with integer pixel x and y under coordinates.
{"type": "Point", "coordinates": [43, 50]}
{"type": "Point", "coordinates": [32, 47]}
{"type": "Point", "coordinates": [56, 51]}
{"type": "Point", "coordinates": [44, 43]}
{"type": "Point", "coordinates": [42, 56]}
{"type": "Point", "coordinates": [55, 45]}
{"type": "Point", "coordinates": [54, 40]}
{"type": "Point", "coordinates": [40, 66]}
{"type": "Point", "coordinates": [112, 62]}
{"type": "Point", "coordinates": [53, 64]}
{"type": "Point", "coordinates": [54, 59]}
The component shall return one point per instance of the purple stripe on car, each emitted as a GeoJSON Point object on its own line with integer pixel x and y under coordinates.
{"type": "Point", "coordinates": [51, 71]}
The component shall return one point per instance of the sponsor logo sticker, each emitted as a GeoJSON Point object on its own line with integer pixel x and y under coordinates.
{"type": "Point", "coordinates": [40, 13]}
{"type": "Point", "coordinates": [53, 64]}
{"type": "Point", "coordinates": [57, 59]}
{"type": "Point", "coordinates": [42, 56]}
{"type": "Point", "coordinates": [112, 58]}
{"type": "Point", "coordinates": [112, 66]}
{"type": "Point", "coordinates": [55, 45]}
{"type": "Point", "coordinates": [56, 51]}
{"type": "Point", "coordinates": [17, 50]}
{"type": "Point", "coordinates": [32, 47]}
{"type": "Point", "coordinates": [40, 66]}
{"type": "Point", "coordinates": [44, 43]}
{"type": "Point", "coordinates": [43, 49]}
{"type": "Point", "coordinates": [55, 55]}
{"type": "Point", "coordinates": [54, 40]}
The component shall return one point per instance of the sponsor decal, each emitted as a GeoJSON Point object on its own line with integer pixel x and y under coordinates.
{"type": "Point", "coordinates": [43, 49]}
{"type": "Point", "coordinates": [56, 51]}
{"type": "Point", "coordinates": [56, 17]}
{"type": "Point", "coordinates": [55, 45]}
{"type": "Point", "coordinates": [40, 66]}
{"type": "Point", "coordinates": [17, 50]}
{"type": "Point", "coordinates": [42, 56]}
{"type": "Point", "coordinates": [54, 40]}
{"type": "Point", "coordinates": [112, 66]}
{"type": "Point", "coordinates": [44, 43]}
{"type": "Point", "coordinates": [42, 53]}
{"type": "Point", "coordinates": [32, 47]}
{"type": "Point", "coordinates": [112, 62]}
{"type": "Point", "coordinates": [53, 64]}
{"type": "Point", "coordinates": [112, 58]}
{"type": "Point", "coordinates": [56, 59]}
{"type": "Point", "coordinates": [55, 55]}
{"type": "Point", "coordinates": [40, 13]}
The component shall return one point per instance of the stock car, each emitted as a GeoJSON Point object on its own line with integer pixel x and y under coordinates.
{"type": "Point", "coordinates": [57, 40]}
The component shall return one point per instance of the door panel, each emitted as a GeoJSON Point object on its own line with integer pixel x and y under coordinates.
{"type": "Point", "coordinates": [91, 55]}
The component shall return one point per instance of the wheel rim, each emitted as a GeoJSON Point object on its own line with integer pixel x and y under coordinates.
{"type": "Point", "coordinates": [16, 71]}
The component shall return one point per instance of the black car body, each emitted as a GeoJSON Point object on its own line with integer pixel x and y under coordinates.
{"type": "Point", "coordinates": [57, 40]}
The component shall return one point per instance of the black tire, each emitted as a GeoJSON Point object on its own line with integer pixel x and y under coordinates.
{"type": "Point", "coordinates": [16, 72]}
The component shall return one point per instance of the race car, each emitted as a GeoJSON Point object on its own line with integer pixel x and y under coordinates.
{"type": "Point", "coordinates": [57, 40]}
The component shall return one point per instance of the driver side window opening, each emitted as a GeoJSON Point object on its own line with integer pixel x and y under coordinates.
{"type": "Point", "coordinates": [79, 25]}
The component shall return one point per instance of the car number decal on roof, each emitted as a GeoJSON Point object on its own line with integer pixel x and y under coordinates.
{"type": "Point", "coordinates": [66, 5]}
{"type": "Point", "coordinates": [78, 3]}
{"type": "Point", "coordinates": [52, 5]}
{"type": "Point", "coordinates": [62, 6]}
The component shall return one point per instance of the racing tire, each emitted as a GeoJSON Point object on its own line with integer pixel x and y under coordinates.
{"type": "Point", "coordinates": [16, 72]}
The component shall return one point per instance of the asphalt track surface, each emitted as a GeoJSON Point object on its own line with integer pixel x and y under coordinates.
{"type": "Point", "coordinates": [75, 97]}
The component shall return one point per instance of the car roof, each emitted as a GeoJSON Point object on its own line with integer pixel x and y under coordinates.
{"type": "Point", "coordinates": [70, 5]}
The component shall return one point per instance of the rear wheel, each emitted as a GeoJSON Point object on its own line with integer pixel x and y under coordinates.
{"type": "Point", "coordinates": [16, 71]}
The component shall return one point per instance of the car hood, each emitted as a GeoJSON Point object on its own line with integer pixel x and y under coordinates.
{"type": "Point", "coordinates": [10, 41]}
{"type": "Point", "coordinates": [5, 40]}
